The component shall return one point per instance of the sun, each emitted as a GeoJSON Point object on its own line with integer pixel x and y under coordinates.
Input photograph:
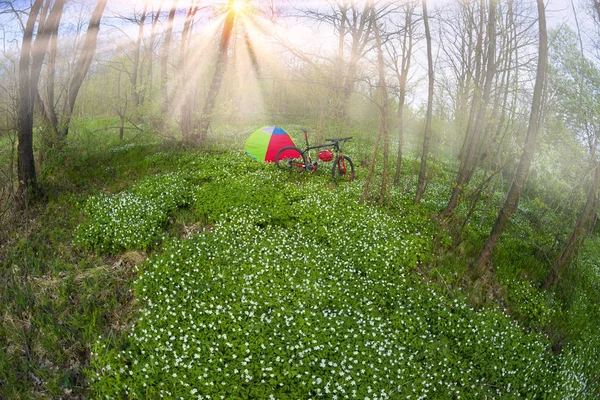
{"type": "Point", "coordinates": [238, 6]}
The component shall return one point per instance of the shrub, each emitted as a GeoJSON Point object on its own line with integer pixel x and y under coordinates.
{"type": "Point", "coordinates": [133, 219]}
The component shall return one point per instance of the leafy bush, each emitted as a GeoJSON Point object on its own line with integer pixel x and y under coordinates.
{"type": "Point", "coordinates": [134, 219]}
{"type": "Point", "coordinates": [123, 221]}
{"type": "Point", "coordinates": [529, 303]}
{"type": "Point", "coordinates": [263, 193]}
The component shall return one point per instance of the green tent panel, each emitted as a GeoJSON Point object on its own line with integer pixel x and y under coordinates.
{"type": "Point", "coordinates": [264, 143]}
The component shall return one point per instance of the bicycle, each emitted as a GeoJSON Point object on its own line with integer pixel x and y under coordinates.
{"type": "Point", "coordinates": [296, 159]}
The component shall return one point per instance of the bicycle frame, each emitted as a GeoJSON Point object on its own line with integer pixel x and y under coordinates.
{"type": "Point", "coordinates": [342, 164]}
{"type": "Point", "coordinates": [306, 151]}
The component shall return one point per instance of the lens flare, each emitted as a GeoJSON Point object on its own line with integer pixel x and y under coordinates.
{"type": "Point", "coordinates": [238, 6]}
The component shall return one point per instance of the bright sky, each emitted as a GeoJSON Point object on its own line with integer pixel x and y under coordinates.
{"type": "Point", "coordinates": [311, 37]}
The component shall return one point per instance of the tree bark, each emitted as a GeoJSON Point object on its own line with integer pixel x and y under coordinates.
{"type": "Point", "coordinates": [371, 170]}
{"type": "Point", "coordinates": [121, 126]}
{"type": "Point", "coordinates": [478, 83]}
{"type": "Point", "coordinates": [187, 120]}
{"type": "Point", "coordinates": [47, 31]}
{"type": "Point", "coordinates": [514, 194]}
{"type": "Point", "coordinates": [155, 16]}
{"type": "Point", "coordinates": [469, 153]}
{"type": "Point", "coordinates": [429, 115]}
{"type": "Point", "coordinates": [30, 68]}
{"type": "Point", "coordinates": [574, 241]}
{"type": "Point", "coordinates": [26, 162]}
{"type": "Point", "coordinates": [50, 126]}
{"type": "Point", "coordinates": [402, 80]}
{"type": "Point", "coordinates": [384, 130]}
{"type": "Point", "coordinates": [136, 57]}
{"type": "Point", "coordinates": [220, 69]}
{"type": "Point", "coordinates": [82, 67]}
{"type": "Point", "coordinates": [464, 70]}
{"type": "Point", "coordinates": [356, 25]}
{"type": "Point", "coordinates": [49, 110]}
{"type": "Point", "coordinates": [164, 57]}
{"type": "Point", "coordinates": [360, 37]}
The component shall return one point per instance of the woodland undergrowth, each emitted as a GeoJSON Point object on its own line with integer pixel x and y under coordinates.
{"type": "Point", "coordinates": [150, 270]}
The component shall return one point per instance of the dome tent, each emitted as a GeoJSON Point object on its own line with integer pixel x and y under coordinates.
{"type": "Point", "coordinates": [264, 143]}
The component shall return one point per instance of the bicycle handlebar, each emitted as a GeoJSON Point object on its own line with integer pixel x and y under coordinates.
{"type": "Point", "coordinates": [339, 139]}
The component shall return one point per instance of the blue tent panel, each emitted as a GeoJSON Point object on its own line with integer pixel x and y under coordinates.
{"type": "Point", "coordinates": [278, 131]}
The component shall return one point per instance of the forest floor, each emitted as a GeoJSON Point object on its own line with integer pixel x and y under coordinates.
{"type": "Point", "coordinates": [153, 270]}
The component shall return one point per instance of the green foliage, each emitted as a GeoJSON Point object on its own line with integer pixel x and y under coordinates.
{"type": "Point", "coordinates": [134, 219]}
{"type": "Point", "coordinates": [575, 81]}
{"type": "Point", "coordinates": [578, 323]}
{"type": "Point", "coordinates": [311, 300]}
{"type": "Point", "coordinates": [266, 283]}
{"type": "Point", "coordinates": [54, 301]}
{"type": "Point", "coordinates": [528, 303]}
{"type": "Point", "coordinates": [259, 192]}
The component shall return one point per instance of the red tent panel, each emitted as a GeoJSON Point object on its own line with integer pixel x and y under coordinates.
{"type": "Point", "coordinates": [276, 143]}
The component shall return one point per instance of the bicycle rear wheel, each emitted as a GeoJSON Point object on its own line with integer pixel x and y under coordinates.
{"type": "Point", "coordinates": [290, 158]}
{"type": "Point", "coordinates": [343, 169]}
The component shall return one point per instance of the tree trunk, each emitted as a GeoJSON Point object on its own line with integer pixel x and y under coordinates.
{"type": "Point", "coordinates": [360, 37]}
{"type": "Point", "coordinates": [429, 115]}
{"type": "Point", "coordinates": [30, 68]}
{"type": "Point", "coordinates": [335, 103]}
{"type": "Point", "coordinates": [469, 153]}
{"type": "Point", "coordinates": [49, 110]}
{"type": "Point", "coordinates": [220, 69]}
{"type": "Point", "coordinates": [26, 163]}
{"type": "Point", "coordinates": [121, 126]}
{"type": "Point", "coordinates": [356, 24]}
{"type": "Point", "coordinates": [338, 70]}
{"type": "Point", "coordinates": [155, 16]}
{"type": "Point", "coordinates": [404, 68]}
{"type": "Point", "coordinates": [383, 114]}
{"type": "Point", "coordinates": [574, 241]}
{"type": "Point", "coordinates": [187, 120]}
{"type": "Point", "coordinates": [516, 188]}
{"type": "Point", "coordinates": [49, 132]}
{"type": "Point", "coordinates": [371, 171]}
{"type": "Point", "coordinates": [47, 30]}
{"type": "Point", "coordinates": [478, 83]}
{"type": "Point", "coordinates": [384, 130]}
{"type": "Point", "coordinates": [136, 57]}
{"type": "Point", "coordinates": [164, 56]}
{"type": "Point", "coordinates": [82, 67]}
{"type": "Point", "coordinates": [466, 75]}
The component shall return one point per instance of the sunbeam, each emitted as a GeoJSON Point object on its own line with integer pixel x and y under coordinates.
{"type": "Point", "coordinates": [193, 76]}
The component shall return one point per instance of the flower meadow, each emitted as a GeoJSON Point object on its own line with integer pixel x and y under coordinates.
{"type": "Point", "coordinates": [133, 219]}
{"type": "Point", "coordinates": [295, 291]}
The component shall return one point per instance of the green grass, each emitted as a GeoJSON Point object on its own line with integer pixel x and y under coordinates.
{"type": "Point", "coordinates": [155, 270]}
{"type": "Point", "coordinates": [57, 297]}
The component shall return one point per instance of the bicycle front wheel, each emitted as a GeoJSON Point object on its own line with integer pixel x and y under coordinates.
{"type": "Point", "coordinates": [290, 158]}
{"type": "Point", "coordinates": [343, 169]}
